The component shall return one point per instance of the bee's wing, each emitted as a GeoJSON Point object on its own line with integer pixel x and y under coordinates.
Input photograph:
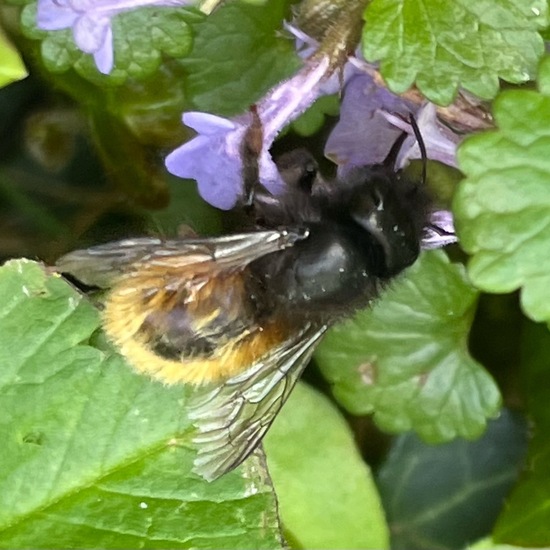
{"type": "Point", "coordinates": [100, 265]}
{"type": "Point", "coordinates": [233, 417]}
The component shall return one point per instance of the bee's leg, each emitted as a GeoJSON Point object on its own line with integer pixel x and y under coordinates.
{"type": "Point", "coordinates": [251, 149]}
{"type": "Point", "coordinates": [298, 170]}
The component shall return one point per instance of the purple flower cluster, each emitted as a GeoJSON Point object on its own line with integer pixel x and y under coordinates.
{"type": "Point", "coordinates": [364, 135]}
{"type": "Point", "coordinates": [368, 123]}
{"type": "Point", "coordinates": [214, 159]}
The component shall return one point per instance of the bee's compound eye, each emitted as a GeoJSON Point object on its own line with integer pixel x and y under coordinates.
{"type": "Point", "coordinates": [367, 205]}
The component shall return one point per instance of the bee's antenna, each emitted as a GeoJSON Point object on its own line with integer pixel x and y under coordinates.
{"type": "Point", "coordinates": [421, 146]}
{"type": "Point", "coordinates": [391, 157]}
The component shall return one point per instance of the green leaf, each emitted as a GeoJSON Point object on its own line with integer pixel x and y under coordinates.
{"type": "Point", "coordinates": [443, 45]}
{"type": "Point", "coordinates": [444, 496]}
{"type": "Point", "coordinates": [12, 67]}
{"type": "Point", "coordinates": [237, 56]}
{"type": "Point", "coordinates": [95, 456]}
{"type": "Point", "coordinates": [313, 119]}
{"type": "Point", "coordinates": [503, 206]}
{"type": "Point", "coordinates": [142, 36]}
{"type": "Point", "coordinates": [526, 519]}
{"type": "Point", "coordinates": [60, 52]}
{"type": "Point", "coordinates": [407, 359]}
{"type": "Point", "coordinates": [326, 495]}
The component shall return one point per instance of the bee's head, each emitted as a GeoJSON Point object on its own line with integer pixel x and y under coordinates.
{"type": "Point", "coordinates": [393, 210]}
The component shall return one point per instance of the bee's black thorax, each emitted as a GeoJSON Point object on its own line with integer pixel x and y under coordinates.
{"type": "Point", "coordinates": [361, 234]}
{"type": "Point", "coordinates": [325, 274]}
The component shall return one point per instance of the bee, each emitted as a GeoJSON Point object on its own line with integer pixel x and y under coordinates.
{"type": "Point", "coordinates": [240, 315]}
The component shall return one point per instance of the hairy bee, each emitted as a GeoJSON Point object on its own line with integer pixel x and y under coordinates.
{"type": "Point", "coordinates": [241, 315]}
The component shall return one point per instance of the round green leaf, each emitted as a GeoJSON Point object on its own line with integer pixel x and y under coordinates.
{"type": "Point", "coordinates": [407, 361]}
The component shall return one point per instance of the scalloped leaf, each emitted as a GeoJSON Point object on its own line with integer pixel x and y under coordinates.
{"type": "Point", "coordinates": [502, 208]}
{"type": "Point", "coordinates": [406, 360]}
{"type": "Point", "coordinates": [238, 54]}
{"type": "Point", "coordinates": [95, 456]}
{"type": "Point", "coordinates": [443, 45]}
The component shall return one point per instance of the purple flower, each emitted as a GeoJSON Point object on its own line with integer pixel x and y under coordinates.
{"type": "Point", "coordinates": [214, 159]}
{"type": "Point", "coordinates": [363, 136]}
{"type": "Point", "coordinates": [440, 230]}
{"type": "Point", "coordinates": [291, 98]}
{"type": "Point", "coordinates": [90, 21]}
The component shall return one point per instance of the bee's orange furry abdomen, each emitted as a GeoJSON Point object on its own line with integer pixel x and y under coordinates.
{"type": "Point", "coordinates": [135, 298]}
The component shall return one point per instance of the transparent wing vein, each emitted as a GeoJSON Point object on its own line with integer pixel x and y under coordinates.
{"type": "Point", "coordinates": [232, 418]}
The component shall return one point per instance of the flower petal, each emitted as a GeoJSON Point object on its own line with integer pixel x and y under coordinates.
{"type": "Point", "coordinates": [269, 175]}
{"type": "Point", "coordinates": [218, 175]}
{"type": "Point", "coordinates": [90, 32]}
{"type": "Point", "coordinates": [54, 15]}
{"type": "Point", "coordinates": [362, 136]}
{"type": "Point", "coordinates": [285, 102]}
{"type": "Point", "coordinates": [207, 124]}
{"type": "Point", "coordinates": [441, 142]}
{"type": "Point", "coordinates": [214, 158]}
{"type": "Point", "coordinates": [440, 231]}
{"type": "Point", "coordinates": [104, 56]}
